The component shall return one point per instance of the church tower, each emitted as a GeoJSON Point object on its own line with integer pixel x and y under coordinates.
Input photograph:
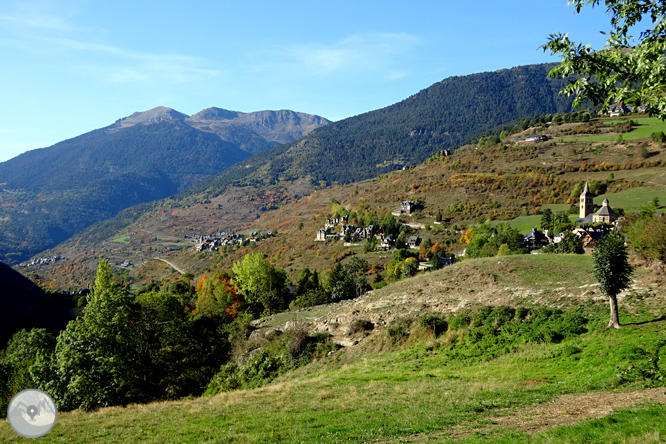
{"type": "Point", "coordinates": [586, 205]}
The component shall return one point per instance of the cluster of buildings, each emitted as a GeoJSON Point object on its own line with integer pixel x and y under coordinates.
{"type": "Point", "coordinates": [619, 110]}
{"type": "Point", "coordinates": [40, 261]}
{"type": "Point", "coordinates": [328, 233]}
{"type": "Point", "coordinates": [586, 232]}
{"type": "Point", "coordinates": [213, 242]}
{"type": "Point", "coordinates": [357, 233]}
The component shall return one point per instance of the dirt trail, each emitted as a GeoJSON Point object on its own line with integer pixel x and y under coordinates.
{"type": "Point", "coordinates": [564, 410]}
{"type": "Point", "coordinates": [572, 409]}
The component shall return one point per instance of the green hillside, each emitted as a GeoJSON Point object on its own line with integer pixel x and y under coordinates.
{"type": "Point", "coordinates": [538, 367]}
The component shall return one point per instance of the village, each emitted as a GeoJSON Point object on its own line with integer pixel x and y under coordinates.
{"type": "Point", "coordinates": [589, 228]}
{"type": "Point", "coordinates": [214, 242]}
{"type": "Point", "coordinates": [352, 234]}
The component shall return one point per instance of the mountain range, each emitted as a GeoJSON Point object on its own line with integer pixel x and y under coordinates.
{"type": "Point", "coordinates": [49, 194]}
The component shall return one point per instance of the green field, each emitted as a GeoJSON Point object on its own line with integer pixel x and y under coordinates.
{"type": "Point", "coordinates": [646, 126]}
{"type": "Point", "coordinates": [411, 394]}
{"type": "Point", "coordinates": [525, 223]}
{"type": "Point", "coordinates": [122, 240]}
{"type": "Point", "coordinates": [633, 198]}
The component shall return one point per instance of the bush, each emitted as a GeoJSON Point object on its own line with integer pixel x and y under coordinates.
{"type": "Point", "coordinates": [459, 321]}
{"type": "Point", "coordinates": [288, 351]}
{"type": "Point", "coordinates": [436, 323]}
{"type": "Point", "coordinates": [361, 325]}
{"type": "Point", "coordinates": [658, 137]}
{"type": "Point", "coordinates": [480, 316]}
{"type": "Point", "coordinates": [398, 329]}
{"type": "Point", "coordinates": [311, 298]}
{"type": "Point", "coordinates": [500, 316]}
{"type": "Point", "coordinates": [497, 331]}
{"type": "Point", "coordinates": [378, 285]}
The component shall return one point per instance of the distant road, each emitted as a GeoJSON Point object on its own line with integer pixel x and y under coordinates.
{"type": "Point", "coordinates": [170, 264]}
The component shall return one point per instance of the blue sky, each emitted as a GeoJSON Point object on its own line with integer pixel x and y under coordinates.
{"type": "Point", "coordinates": [68, 67]}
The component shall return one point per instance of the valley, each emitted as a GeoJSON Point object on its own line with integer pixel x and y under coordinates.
{"type": "Point", "coordinates": [222, 298]}
{"type": "Point", "coordinates": [510, 181]}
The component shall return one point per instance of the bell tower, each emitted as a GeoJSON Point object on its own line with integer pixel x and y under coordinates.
{"type": "Point", "coordinates": [586, 205]}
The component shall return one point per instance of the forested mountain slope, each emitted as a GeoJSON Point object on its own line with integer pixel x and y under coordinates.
{"type": "Point", "coordinates": [442, 116]}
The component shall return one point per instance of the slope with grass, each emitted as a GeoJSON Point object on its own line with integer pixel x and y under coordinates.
{"type": "Point", "coordinates": [403, 383]}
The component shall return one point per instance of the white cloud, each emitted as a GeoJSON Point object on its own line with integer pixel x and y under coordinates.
{"type": "Point", "coordinates": [377, 53]}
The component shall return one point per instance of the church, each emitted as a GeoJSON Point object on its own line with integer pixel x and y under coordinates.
{"type": "Point", "coordinates": [605, 214]}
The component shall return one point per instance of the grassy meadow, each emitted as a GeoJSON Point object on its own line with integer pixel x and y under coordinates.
{"type": "Point", "coordinates": [645, 127]}
{"type": "Point", "coordinates": [404, 384]}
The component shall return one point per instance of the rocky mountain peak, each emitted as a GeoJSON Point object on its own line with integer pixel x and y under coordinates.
{"type": "Point", "coordinates": [214, 113]}
{"type": "Point", "coordinates": [155, 115]}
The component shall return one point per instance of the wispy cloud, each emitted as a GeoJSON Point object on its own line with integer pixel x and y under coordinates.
{"type": "Point", "coordinates": [50, 35]}
{"type": "Point", "coordinates": [34, 17]}
{"type": "Point", "coordinates": [360, 53]}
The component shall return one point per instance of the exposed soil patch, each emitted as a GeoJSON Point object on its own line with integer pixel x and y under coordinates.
{"type": "Point", "coordinates": [564, 410]}
{"type": "Point", "coordinates": [572, 409]}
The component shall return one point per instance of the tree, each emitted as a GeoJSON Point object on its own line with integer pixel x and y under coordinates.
{"type": "Point", "coordinates": [16, 365]}
{"type": "Point", "coordinates": [571, 244]}
{"type": "Point", "coordinates": [348, 281]}
{"type": "Point", "coordinates": [627, 70]}
{"type": "Point", "coordinates": [611, 268]}
{"type": "Point", "coordinates": [259, 282]}
{"type": "Point", "coordinates": [647, 234]}
{"type": "Point", "coordinates": [97, 358]}
{"type": "Point", "coordinates": [103, 279]}
{"type": "Point", "coordinates": [547, 220]}
{"type": "Point", "coordinates": [218, 295]}
{"type": "Point", "coordinates": [409, 267]}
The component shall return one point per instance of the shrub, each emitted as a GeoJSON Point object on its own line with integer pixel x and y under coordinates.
{"type": "Point", "coordinates": [398, 329]}
{"type": "Point", "coordinates": [361, 325]}
{"type": "Point", "coordinates": [288, 351]}
{"type": "Point", "coordinates": [480, 316]}
{"type": "Point", "coordinates": [658, 137]}
{"type": "Point", "coordinates": [434, 322]}
{"type": "Point", "coordinates": [500, 316]}
{"type": "Point", "coordinates": [505, 328]}
{"type": "Point", "coordinates": [317, 296]}
{"type": "Point", "coordinates": [459, 321]}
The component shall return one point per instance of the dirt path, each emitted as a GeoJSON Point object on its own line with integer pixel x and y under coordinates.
{"type": "Point", "coordinates": [572, 409]}
{"type": "Point", "coordinates": [170, 264]}
{"type": "Point", "coordinates": [564, 410]}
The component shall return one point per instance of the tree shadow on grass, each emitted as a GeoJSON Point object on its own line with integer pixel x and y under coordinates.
{"type": "Point", "coordinates": [659, 319]}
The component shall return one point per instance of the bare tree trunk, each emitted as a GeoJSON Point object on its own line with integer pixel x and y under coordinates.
{"type": "Point", "coordinates": [614, 317]}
